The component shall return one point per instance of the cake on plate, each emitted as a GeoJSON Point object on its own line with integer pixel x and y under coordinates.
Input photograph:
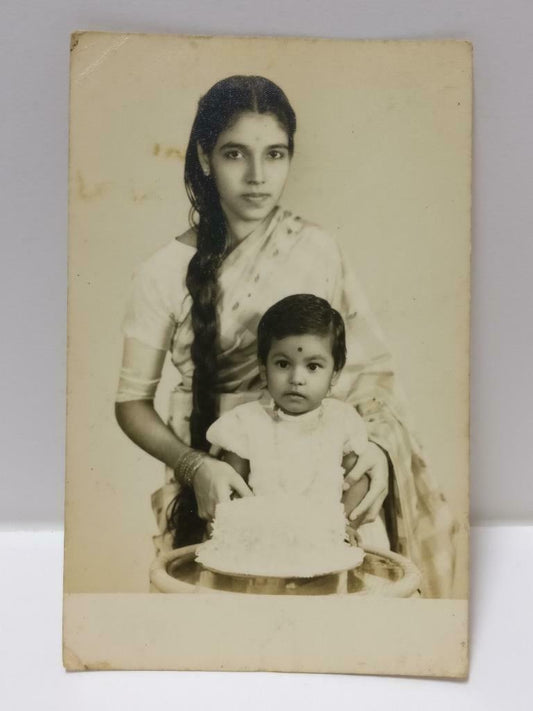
{"type": "Point", "coordinates": [279, 536]}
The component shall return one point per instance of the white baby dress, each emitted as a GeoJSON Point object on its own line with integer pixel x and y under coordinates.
{"type": "Point", "coordinates": [292, 454]}
{"type": "Point", "coordinates": [297, 455]}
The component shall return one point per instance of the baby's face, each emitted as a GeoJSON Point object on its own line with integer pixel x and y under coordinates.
{"type": "Point", "coordinates": [299, 371]}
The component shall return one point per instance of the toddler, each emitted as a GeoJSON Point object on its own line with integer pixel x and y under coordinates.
{"type": "Point", "coordinates": [297, 440]}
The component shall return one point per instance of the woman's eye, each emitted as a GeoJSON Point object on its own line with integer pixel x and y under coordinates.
{"type": "Point", "coordinates": [233, 155]}
{"type": "Point", "coordinates": [276, 155]}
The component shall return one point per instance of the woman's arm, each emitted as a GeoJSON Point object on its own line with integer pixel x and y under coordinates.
{"type": "Point", "coordinates": [241, 466]}
{"type": "Point", "coordinates": [371, 466]}
{"type": "Point", "coordinates": [141, 370]}
{"type": "Point", "coordinates": [141, 423]}
{"type": "Point", "coordinates": [355, 492]}
{"type": "Point", "coordinates": [213, 481]}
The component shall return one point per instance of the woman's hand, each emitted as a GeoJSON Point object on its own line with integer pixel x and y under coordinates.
{"type": "Point", "coordinates": [216, 481]}
{"type": "Point", "coordinates": [373, 462]}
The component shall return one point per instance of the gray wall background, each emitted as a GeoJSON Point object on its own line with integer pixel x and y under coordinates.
{"type": "Point", "coordinates": [34, 55]}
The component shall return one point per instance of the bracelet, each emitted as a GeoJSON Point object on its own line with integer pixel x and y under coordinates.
{"type": "Point", "coordinates": [187, 466]}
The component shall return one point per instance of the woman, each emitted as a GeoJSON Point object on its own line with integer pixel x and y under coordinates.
{"type": "Point", "coordinates": [201, 296]}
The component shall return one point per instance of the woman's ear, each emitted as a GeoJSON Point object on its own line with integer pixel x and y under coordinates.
{"type": "Point", "coordinates": [203, 159]}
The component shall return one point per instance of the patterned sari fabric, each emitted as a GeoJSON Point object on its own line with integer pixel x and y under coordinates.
{"type": "Point", "coordinates": [292, 256]}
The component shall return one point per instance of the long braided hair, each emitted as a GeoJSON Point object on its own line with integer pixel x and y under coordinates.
{"type": "Point", "coordinates": [217, 110]}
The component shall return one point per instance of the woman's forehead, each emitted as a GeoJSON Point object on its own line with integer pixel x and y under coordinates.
{"type": "Point", "coordinates": [252, 129]}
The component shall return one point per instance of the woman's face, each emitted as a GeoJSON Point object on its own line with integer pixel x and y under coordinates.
{"type": "Point", "coordinates": [250, 165]}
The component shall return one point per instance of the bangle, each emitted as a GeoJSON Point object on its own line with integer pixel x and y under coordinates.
{"type": "Point", "coordinates": [187, 466]}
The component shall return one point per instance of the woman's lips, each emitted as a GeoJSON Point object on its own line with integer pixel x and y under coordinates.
{"type": "Point", "coordinates": [256, 198]}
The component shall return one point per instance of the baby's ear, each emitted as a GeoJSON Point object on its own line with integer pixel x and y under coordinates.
{"type": "Point", "coordinates": [335, 377]}
{"type": "Point", "coordinates": [262, 373]}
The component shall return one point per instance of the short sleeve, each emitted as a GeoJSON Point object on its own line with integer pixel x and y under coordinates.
{"type": "Point", "coordinates": [229, 432]}
{"type": "Point", "coordinates": [157, 295]}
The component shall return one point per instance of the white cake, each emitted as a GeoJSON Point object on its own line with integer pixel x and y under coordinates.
{"type": "Point", "coordinates": [279, 536]}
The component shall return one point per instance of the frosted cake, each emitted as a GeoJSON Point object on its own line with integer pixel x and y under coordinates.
{"type": "Point", "coordinates": [279, 537]}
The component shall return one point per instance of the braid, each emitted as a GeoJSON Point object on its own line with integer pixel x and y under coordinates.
{"type": "Point", "coordinates": [216, 111]}
{"type": "Point", "coordinates": [202, 282]}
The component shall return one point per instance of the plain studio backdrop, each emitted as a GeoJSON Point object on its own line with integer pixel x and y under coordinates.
{"type": "Point", "coordinates": [382, 161]}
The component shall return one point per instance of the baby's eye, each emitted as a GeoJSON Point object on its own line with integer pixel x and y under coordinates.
{"type": "Point", "coordinates": [314, 366]}
{"type": "Point", "coordinates": [282, 363]}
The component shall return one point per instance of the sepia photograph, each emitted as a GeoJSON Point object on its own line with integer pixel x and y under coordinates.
{"type": "Point", "coordinates": [268, 355]}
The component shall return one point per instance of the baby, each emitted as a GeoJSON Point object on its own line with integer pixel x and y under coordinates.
{"type": "Point", "coordinates": [296, 440]}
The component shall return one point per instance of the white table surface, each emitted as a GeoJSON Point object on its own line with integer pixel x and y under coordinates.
{"type": "Point", "coordinates": [32, 676]}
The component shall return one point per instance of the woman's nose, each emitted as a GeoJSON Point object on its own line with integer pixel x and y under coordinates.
{"type": "Point", "coordinates": [256, 173]}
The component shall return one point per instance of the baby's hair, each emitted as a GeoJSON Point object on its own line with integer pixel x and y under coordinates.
{"type": "Point", "coordinates": [297, 315]}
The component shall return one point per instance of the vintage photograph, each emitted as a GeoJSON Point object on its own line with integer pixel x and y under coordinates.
{"type": "Point", "coordinates": [269, 348]}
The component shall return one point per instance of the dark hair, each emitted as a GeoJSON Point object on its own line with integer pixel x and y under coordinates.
{"type": "Point", "coordinates": [217, 111]}
{"type": "Point", "coordinates": [299, 314]}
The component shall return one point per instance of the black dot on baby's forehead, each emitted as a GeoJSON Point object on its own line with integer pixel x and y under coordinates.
{"type": "Point", "coordinates": [300, 349]}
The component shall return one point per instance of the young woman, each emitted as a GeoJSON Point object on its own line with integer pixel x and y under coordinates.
{"type": "Point", "coordinates": [201, 296]}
